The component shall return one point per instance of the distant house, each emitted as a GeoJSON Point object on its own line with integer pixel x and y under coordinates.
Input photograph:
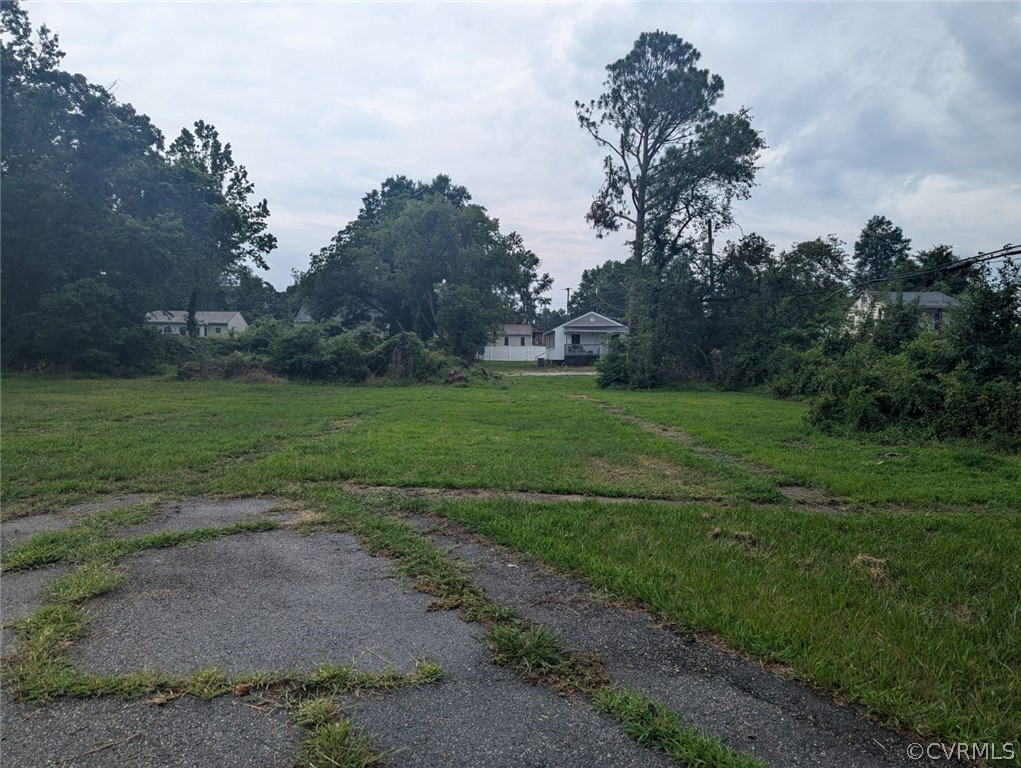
{"type": "Point", "coordinates": [523, 343]}
{"type": "Point", "coordinates": [303, 316]}
{"type": "Point", "coordinates": [175, 321]}
{"type": "Point", "coordinates": [580, 341]}
{"type": "Point", "coordinates": [932, 304]}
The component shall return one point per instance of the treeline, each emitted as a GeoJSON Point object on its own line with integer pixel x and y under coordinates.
{"type": "Point", "coordinates": [104, 220]}
{"type": "Point", "coordinates": [784, 320]}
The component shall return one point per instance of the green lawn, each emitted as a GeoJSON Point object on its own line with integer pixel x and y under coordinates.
{"type": "Point", "coordinates": [928, 638]}
{"type": "Point", "coordinates": [773, 433]}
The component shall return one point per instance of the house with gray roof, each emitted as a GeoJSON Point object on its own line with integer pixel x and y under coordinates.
{"type": "Point", "coordinates": [934, 305]}
{"type": "Point", "coordinates": [580, 341]}
{"type": "Point", "coordinates": [215, 324]}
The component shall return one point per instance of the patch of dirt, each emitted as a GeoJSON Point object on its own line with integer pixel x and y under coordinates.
{"type": "Point", "coordinates": [816, 500]}
{"type": "Point", "coordinates": [417, 492]}
{"type": "Point", "coordinates": [875, 567]}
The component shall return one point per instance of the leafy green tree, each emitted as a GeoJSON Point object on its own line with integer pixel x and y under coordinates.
{"type": "Point", "coordinates": [227, 230]}
{"type": "Point", "coordinates": [602, 289]}
{"type": "Point", "coordinates": [90, 194]}
{"type": "Point", "coordinates": [881, 251]}
{"type": "Point", "coordinates": [935, 262]}
{"type": "Point", "coordinates": [415, 247]}
{"type": "Point", "coordinates": [985, 331]}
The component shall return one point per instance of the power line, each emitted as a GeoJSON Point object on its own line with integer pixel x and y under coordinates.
{"type": "Point", "coordinates": [1003, 253]}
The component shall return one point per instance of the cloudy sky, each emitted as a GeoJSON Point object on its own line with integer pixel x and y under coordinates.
{"type": "Point", "coordinates": [910, 110]}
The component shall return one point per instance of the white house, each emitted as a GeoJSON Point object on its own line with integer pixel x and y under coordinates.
{"type": "Point", "coordinates": [580, 341]}
{"type": "Point", "coordinates": [175, 321]}
{"type": "Point", "coordinates": [932, 304]}
{"type": "Point", "coordinates": [523, 343]}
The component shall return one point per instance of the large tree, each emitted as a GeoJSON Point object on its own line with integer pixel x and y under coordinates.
{"type": "Point", "coordinates": [421, 257]}
{"type": "Point", "coordinates": [880, 251]}
{"type": "Point", "coordinates": [673, 168]}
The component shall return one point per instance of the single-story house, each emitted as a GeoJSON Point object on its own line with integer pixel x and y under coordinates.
{"type": "Point", "coordinates": [933, 305]}
{"type": "Point", "coordinates": [580, 341]}
{"type": "Point", "coordinates": [175, 321]}
{"type": "Point", "coordinates": [520, 342]}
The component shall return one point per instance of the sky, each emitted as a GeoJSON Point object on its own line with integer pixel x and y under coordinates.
{"type": "Point", "coordinates": [907, 110]}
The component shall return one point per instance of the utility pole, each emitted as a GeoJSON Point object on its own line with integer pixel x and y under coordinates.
{"type": "Point", "coordinates": [568, 299]}
{"type": "Point", "coordinates": [709, 253]}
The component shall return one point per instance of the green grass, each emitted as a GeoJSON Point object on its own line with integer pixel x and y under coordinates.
{"type": "Point", "coordinates": [83, 583]}
{"type": "Point", "coordinates": [339, 744]}
{"type": "Point", "coordinates": [931, 642]}
{"type": "Point", "coordinates": [654, 725]}
{"type": "Point", "coordinates": [79, 545]}
{"type": "Point", "coordinates": [773, 433]}
{"type": "Point", "coordinates": [232, 438]}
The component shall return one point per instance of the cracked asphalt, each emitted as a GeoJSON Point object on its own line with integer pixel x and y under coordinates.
{"type": "Point", "coordinates": [282, 600]}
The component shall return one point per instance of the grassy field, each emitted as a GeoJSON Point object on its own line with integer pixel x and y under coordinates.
{"type": "Point", "coordinates": [907, 605]}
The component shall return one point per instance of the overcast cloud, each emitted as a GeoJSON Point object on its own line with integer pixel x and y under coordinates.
{"type": "Point", "coordinates": [912, 111]}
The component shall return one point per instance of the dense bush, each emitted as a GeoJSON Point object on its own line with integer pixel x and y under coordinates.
{"type": "Point", "coordinates": [405, 358]}
{"type": "Point", "coordinates": [315, 351]}
{"type": "Point", "coordinates": [85, 327]}
{"type": "Point", "coordinates": [612, 368]}
{"type": "Point", "coordinates": [892, 375]}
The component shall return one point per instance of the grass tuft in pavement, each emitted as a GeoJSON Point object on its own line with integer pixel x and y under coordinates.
{"type": "Point", "coordinates": [83, 583]}
{"type": "Point", "coordinates": [338, 744]}
{"type": "Point", "coordinates": [84, 544]}
{"type": "Point", "coordinates": [654, 725]}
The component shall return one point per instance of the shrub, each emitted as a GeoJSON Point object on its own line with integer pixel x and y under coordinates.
{"type": "Point", "coordinates": [405, 358]}
{"type": "Point", "coordinates": [300, 352]}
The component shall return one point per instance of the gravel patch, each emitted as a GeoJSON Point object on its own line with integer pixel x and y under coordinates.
{"type": "Point", "coordinates": [275, 600]}
{"type": "Point", "coordinates": [21, 592]}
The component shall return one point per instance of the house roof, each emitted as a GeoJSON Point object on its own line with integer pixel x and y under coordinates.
{"type": "Point", "coordinates": [181, 316]}
{"type": "Point", "coordinates": [303, 315]}
{"type": "Point", "coordinates": [925, 299]}
{"type": "Point", "coordinates": [592, 321]}
{"type": "Point", "coordinates": [518, 329]}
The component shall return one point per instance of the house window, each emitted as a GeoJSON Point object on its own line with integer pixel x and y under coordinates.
{"type": "Point", "coordinates": [576, 338]}
{"type": "Point", "coordinates": [506, 341]}
{"type": "Point", "coordinates": [183, 331]}
{"type": "Point", "coordinates": [522, 341]}
{"type": "Point", "coordinates": [536, 339]}
{"type": "Point", "coordinates": [218, 329]}
{"type": "Point", "coordinates": [167, 329]}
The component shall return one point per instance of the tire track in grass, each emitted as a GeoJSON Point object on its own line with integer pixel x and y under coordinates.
{"type": "Point", "coordinates": [809, 499]}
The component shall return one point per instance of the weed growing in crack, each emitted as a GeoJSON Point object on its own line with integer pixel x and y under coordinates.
{"type": "Point", "coordinates": [78, 545]}
{"type": "Point", "coordinates": [653, 724]}
{"type": "Point", "coordinates": [531, 649]}
{"type": "Point", "coordinates": [339, 744]}
{"type": "Point", "coordinates": [83, 583]}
